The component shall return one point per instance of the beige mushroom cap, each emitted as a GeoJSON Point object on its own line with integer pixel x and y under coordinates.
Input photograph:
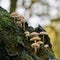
{"type": "Point", "coordinates": [14, 14]}
{"type": "Point", "coordinates": [34, 34]}
{"type": "Point", "coordinates": [35, 38]}
{"type": "Point", "coordinates": [21, 19]}
{"type": "Point", "coordinates": [27, 33]}
{"type": "Point", "coordinates": [40, 42]}
{"type": "Point", "coordinates": [46, 45]}
{"type": "Point", "coordinates": [43, 33]}
{"type": "Point", "coordinates": [35, 45]}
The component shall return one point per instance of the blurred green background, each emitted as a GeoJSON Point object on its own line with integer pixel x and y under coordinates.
{"type": "Point", "coordinates": [46, 12]}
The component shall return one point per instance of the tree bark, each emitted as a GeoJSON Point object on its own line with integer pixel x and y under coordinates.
{"type": "Point", "coordinates": [13, 5]}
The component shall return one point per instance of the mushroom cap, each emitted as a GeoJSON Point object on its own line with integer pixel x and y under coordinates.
{"type": "Point", "coordinates": [43, 33]}
{"type": "Point", "coordinates": [40, 42]}
{"type": "Point", "coordinates": [46, 45]}
{"type": "Point", "coordinates": [14, 14]}
{"type": "Point", "coordinates": [34, 34]}
{"type": "Point", "coordinates": [35, 38]}
{"type": "Point", "coordinates": [27, 35]}
{"type": "Point", "coordinates": [26, 32]}
{"type": "Point", "coordinates": [21, 17]}
{"type": "Point", "coordinates": [35, 45]}
{"type": "Point", "coordinates": [20, 20]}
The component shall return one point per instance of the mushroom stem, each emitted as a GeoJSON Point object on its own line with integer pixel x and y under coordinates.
{"type": "Point", "coordinates": [14, 19]}
{"type": "Point", "coordinates": [21, 25]}
{"type": "Point", "coordinates": [38, 50]}
{"type": "Point", "coordinates": [35, 41]}
{"type": "Point", "coordinates": [35, 46]}
{"type": "Point", "coordinates": [24, 25]}
{"type": "Point", "coordinates": [43, 37]}
{"type": "Point", "coordinates": [35, 50]}
{"type": "Point", "coordinates": [27, 37]}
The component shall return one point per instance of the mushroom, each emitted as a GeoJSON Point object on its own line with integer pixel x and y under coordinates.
{"type": "Point", "coordinates": [43, 33]}
{"type": "Point", "coordinates": [14, 15]}
{"type": "Point", "coordinates": [35, 46]}
{"type": "Point", "coordinates": [19, 23]}
{"type": "Point", "coordinates": [34, 34]}
{"type": "Point", "coordinates": [22, 20]}
{"type": "Point", "coordinates": [46, 46]}
{"type": "Point", "coordinates": [35, 39]}
{"type": "Point", "coordinates": [27, 34]}
{"type": "Point", "coordinates": [40, 42]}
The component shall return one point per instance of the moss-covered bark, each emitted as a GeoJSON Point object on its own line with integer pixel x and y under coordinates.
{"type": "Point", "coordinates": [15, 46]}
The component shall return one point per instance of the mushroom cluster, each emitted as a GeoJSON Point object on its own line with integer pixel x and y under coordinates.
{"type": "Point", "coordinates": [14, 15]}
{"type": "Point", "coordinates": [20, 20]}
{"type": "Point", "coordinates": [37, 40]}
{"type": "Point", "coordinates": [34, 35]}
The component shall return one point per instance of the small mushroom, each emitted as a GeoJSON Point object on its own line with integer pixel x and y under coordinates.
{"type": "Point", "coordinates": [43, 33]}
{"type": "Point", "coordinates": [22, 20]}
{"type": "Point", "coordinates": [34, 34]}
{"type": "Point", "coordinates": [35, 46]}
{"type": "Point", "coordinates": [35, 39]}
{"type": "Point", "coordinates": [27, 34]}
{"type": "Point", "coordinates": [14, 15]}
{"type": "Point", "coordinates": [40, 42]}
{"type": "Point", "coordinates": [46, 46]}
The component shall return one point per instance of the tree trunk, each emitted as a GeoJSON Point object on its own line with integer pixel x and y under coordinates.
{"type": "Point", "coordinates": [13, 5]}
